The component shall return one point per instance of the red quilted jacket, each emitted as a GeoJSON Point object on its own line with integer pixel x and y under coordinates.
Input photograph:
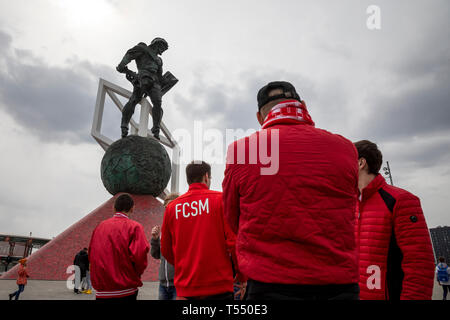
{"type": "Point", "coordinates": [396, 256]}
{"type": "Point", "coordinates": [295, 226]}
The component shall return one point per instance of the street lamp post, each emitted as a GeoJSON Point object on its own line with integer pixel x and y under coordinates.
{"type": "Point", "coordinates": [387, 172]}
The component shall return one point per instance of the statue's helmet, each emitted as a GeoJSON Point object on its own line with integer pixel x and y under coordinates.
{"type": "Point", "coordinates": [161, 42]}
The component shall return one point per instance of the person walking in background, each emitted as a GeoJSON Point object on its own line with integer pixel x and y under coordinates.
{"type": "Point", "coordinates": [395, 252]}
{"type": "Point", "coordinates": [77, 280]}
{"type": "Point", "coordinates": [86, 284]}
{"type": "Point", "coordinates": [293, 211]}
{"type": "Point", "coordinates": [118, 253]}
{"type": "Point", "coordinates": [443, 276]}
{"type": "Point", "coordinates": [8, 260]}
{"type": "Point", "coordinates": [81, 260]}
{"type": "Point", "coordinates": [166, 271]}
{"type": "Point", "coordinates": [196, 239]}
{"type": "Point", "coordinates": [22, 279]}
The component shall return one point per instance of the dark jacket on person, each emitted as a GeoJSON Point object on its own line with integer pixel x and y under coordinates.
{"type": "Point", "coordinates": [82, 261]}
{"type": "Point", "coordinates": [166, 270]}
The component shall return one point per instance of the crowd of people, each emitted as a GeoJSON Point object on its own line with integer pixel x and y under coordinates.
{"type": "Point", "coordinates": [324, 226]}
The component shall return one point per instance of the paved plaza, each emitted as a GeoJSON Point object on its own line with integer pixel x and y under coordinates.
{"type": "Point", "coordinates": [57, 290]}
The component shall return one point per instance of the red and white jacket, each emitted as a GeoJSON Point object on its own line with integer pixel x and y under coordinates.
{"type": "Point", "coordinates": [396, 259]}
{"type": "Point", "coordinates": [196, 240]}
{"type": "Point", "coordinates": [118, 254]}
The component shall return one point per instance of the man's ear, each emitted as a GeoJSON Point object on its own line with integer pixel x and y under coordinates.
{"type": "Point", "coordinates": [362, 163]}
{"type": "Point", "coordinates": [260, 118]}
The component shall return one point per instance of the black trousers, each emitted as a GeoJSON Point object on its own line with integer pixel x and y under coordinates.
{"type": "Point", "coordinates": [446, 288]}
{"type": "Point", "coordinates": [220, 296]}
{"type": "Point", "coordinates": [274, 291]}
{"type": "Point", "coordinates": [132, 297]}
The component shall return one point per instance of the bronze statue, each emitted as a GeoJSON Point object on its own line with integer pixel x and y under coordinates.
{"type": "Point", "coordinates": [148, 81]}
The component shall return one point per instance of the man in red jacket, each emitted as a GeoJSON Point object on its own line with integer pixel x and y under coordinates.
{"type": "Point", "coordinates": [118, 253]}
{"type": "Point", "coordinates": [396, 257]}
{"type": "Point", "coordinates": [295, 220]}
{"type": "Point", "coordinates": [196, 240]}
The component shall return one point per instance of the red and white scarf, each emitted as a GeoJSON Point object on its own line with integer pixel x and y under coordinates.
{"type": "Point", "coordinates": [289, 111]}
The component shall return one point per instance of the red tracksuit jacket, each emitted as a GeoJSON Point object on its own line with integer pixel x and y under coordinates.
{"type": "Point", "coordinates": [197, 241]}
{"type": "Point", "coordinates": [118, 256]}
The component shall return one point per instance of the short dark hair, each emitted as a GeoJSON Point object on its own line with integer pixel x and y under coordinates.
{"type": "Point", "coordinates": [195, 171]}
{"type": "Point", "coordinates": [123, 203]}
{"type": "Point", "coordinates": [85, 249]}
{"type": "Point", "coordinates": [441, 259]}
{"type": "Point", "coordinates": [369, 151]}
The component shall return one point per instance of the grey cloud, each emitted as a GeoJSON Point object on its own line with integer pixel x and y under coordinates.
{"type": "Point", "coordinates": [335, 49]}
{"type": "Point", "coordinates": [422, 64]}
{"type": "Point", "coordinates": [5, 41]}
{"type": "Point", "coordinates": [236, 102]}
{"type": "Point", "coordinates": [54, 103]}
{"type": "Point", "coordinates": [422, 110]}
{"type": "Point", "coordinates": [428, 152]}
{"type": "Point", "coordinates": [224, 103]}
{"type": "Point", "coordinates": [417, 122]}
{"type": "Point", "coordinates": [393, 118]}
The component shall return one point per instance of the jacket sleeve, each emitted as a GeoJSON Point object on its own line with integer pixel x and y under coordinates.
{"type": "Point", "coordinates": [230, 241]}
{"type": "Point", "coordinates": [77, 260]}
{"type": "Point", "coordinates": [139, 248]}
{"type": "Point", "coordinates": [414, 241]}
{"type": "Point", "coordinates": [155, 249]}
{"type": "Point", "coordinates": [90, 246]}
{"type": "Point", "coordinates": [166, 238]}
{"type": "Point", "coordinates": [230, 192]}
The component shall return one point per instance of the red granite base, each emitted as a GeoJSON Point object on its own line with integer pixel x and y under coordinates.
{"type": "Point", "coordinates": [51, 261]}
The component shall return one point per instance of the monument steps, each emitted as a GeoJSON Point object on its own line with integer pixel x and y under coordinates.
{"type": "Point", "coordinates": [52, 260]}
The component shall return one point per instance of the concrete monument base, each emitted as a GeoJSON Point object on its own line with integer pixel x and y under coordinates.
{"type": "Point", "coordinates": [52, 260]}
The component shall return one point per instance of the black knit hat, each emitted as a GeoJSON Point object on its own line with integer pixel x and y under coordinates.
{"type": "Point", "coordinates": [288, 92]}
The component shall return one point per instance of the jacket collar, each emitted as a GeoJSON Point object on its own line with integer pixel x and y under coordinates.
{"type": "Point", "coordinates": [376, 184]}
{"type": "Point", "coordinates": [288, 112]}
{"type": "Point", "coordinates": [121, 215]}
{"type": "Point", "coordinates": [197, 186]}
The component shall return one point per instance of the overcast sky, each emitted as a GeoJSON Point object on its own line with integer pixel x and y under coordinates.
{"type": "Point", "coordinates": [390, 86]}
